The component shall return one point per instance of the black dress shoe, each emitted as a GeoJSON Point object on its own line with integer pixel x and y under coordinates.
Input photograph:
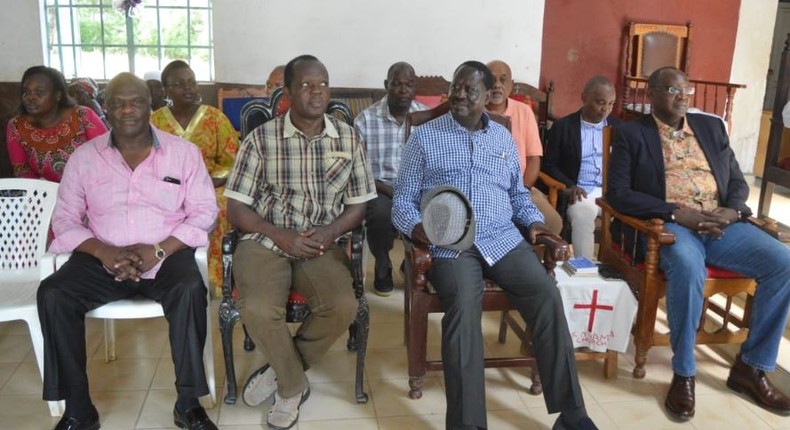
{"type": "Point", "coordinates": [752, 382]}
{"type": "Point", "coordinates": [680, 398]}
{"type": "Point", "coordinates": [71, 423]}
{"type": "Point", "coordinates": [193, 419]}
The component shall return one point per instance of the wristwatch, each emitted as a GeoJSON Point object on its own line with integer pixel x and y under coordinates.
{"type": "Point", "coordinates": [159, 252]}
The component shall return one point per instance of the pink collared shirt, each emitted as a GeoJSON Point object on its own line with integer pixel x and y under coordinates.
{"type": "Point", "coordinates": [101, 197]}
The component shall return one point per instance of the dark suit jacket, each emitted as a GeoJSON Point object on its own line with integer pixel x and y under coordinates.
{"type": "Point", "coordinates": [563, 157]}
{"type": "Point", "coordinates": [636, 182]}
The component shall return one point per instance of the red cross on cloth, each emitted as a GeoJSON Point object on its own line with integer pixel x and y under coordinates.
{"type": "Point", "coordinates": [593, 307]}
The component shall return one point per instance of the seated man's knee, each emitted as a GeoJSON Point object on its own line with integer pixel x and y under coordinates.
{"type": "Point", "coordinates": [49, 293]}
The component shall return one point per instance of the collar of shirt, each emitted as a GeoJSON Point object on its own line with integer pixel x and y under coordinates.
{"type": "Point", "coordinates": [111, 140]}
{"type": "Point", "coordinates": [669, 132]}
{"type": "Point", "coordinates": [290, 130]}
{"type": "Point", "coordinates": [383, 109]}
{"type": "Point", "coordinates": [485, 118]}
{"type": "Point", "coordinates": [598, 126]}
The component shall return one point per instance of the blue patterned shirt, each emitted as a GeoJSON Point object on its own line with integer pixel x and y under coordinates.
{"type": "Point", "coordinates": [592, 156]}
{"type": "Point", "coordinates": [482, 164]}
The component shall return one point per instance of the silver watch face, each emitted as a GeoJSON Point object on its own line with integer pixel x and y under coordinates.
{"type": "Point", "coordinates": [160, 254]}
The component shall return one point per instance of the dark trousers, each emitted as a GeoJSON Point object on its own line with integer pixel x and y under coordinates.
{"type": "Point", "coordinates": [380, 233]}
{"type": "Point", "coordinates": [83, 284]}
{"type": "Point", "coordinates": [459, 284]}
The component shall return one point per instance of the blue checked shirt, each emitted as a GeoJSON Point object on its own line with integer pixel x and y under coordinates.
{"type": "Point", "coordinates": [592, 156]}
{"type": "Point", "coordinates": [383, 138]}
{"type": "Point", "coordinates": [483, 165]}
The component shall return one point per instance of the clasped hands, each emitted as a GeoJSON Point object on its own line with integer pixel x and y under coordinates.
{"type": "Point", "coordinates": [711, 222]}
{"type": "Point", "coordinates": [128, 262]}
{"type": "Point", "coordinates": [307, 244]}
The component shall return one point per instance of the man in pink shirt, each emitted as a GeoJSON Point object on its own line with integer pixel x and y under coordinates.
{"type": "Point", "coordinates": [524, 129]}
{"type": "Point", "coordinates": [132, 206]}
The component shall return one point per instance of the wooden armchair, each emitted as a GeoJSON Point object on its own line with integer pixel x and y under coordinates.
{"type": "Point", "coordinates": [296, 308]}
{"type": "Point", "coordinates": [722, 322]}
{"type": "Point", "coordinates": [420, 299]}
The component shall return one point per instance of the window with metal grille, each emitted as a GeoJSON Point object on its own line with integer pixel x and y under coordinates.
{"type": "Point", "coordinates": [91, 38]}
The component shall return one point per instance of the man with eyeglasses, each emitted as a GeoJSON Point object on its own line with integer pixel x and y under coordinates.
{"type": "Point", "coordinates": [679, 166]}
{"type": "Point", "coordinates": [133, 205]}
{"type": "Point", "coordinates": [574, 156]}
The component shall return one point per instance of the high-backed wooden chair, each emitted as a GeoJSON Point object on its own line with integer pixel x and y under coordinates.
{"type": "Point", "coordinates": [297, 309]}
{"type": "Point", "coordinates": [420, 298]}
{"type": "Point", "coordinates": [722, 321]}
{"type": "Point", "coordinates": [652, 46]}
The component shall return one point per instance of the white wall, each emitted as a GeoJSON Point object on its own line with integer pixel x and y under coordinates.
{"type": "Point", "coordinates": [750, 66]}
{"type": "Point", "coordinates": [359, 39]}
{"type": "Point", "coordinates": [21, 38]}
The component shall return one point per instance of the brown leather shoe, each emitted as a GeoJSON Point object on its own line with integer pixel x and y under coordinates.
{"type": "Point", "coordinates": [752, 382]}
{"type": "Point", "coordinates": [680, 398]}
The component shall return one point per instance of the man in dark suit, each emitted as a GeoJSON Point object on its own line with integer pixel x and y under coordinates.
{"type": "Point", "coordinates": [680, 167]}
{"type": "Point", "coordinates": [574, 156]}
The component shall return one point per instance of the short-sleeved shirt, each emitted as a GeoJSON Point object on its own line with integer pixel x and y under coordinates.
{"type": "Point", "coordinates": [524, 128]}
{"type": "Point", "coordinates": [690, 181]}
{"type": "Point", "coordinates": [384, 137]}
{"type": "Point", "coordinates": [297, 183]}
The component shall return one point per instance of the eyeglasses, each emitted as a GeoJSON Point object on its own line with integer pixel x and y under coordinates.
{"type": "Point", "coordinates": [179, 84]}
{"type": "Point", "coordinates": [686, 91]}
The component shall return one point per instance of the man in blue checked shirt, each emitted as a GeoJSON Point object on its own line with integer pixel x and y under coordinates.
{"type": "Point", "coordinates": [466, 150]}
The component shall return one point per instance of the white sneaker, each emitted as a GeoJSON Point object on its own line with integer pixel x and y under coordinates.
{"type": "Point", "coordinates": [285, 412]}
{"type": "Point", "coordinates": [260, 386]}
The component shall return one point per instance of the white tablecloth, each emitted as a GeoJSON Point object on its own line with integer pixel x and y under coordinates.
{"type": "Point", "coordinates": [599, 312]}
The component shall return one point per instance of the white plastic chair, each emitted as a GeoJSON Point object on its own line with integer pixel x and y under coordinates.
{"type": "Point", "coordinates": [26, 207]}
{"type": "Point", "coordinates": [140, 307]}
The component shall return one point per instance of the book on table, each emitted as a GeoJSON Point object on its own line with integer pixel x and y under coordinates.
{"type": "Point", "coordinates": [581, 266]}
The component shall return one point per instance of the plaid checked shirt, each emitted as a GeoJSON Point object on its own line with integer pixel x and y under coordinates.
{"type": "Point", "coordinates": [483, 165]}
{"type": "Point", "coordinates": [295, 183]}
{"type": "Point", "coordinates": [383, 138]}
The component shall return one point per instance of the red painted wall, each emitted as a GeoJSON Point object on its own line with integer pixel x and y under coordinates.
{"type": "Point", "coordinates": [582, 38]}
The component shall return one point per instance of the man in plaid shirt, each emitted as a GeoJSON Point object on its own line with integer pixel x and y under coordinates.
{"type": "Point", "coordinates": [382, 128]}
{"type": "Point", "coordinates": [299, 183]}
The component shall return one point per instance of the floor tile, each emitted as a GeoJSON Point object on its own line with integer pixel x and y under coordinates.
{"type": "Point", "coordinates": [391, 397]}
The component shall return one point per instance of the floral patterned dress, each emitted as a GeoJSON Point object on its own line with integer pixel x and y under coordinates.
{"type": "Point", "coordinates": [211, 131]}
{"type": "Point", "coordinates": [42, 152]}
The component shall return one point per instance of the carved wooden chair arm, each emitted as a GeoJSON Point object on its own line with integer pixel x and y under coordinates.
{"type": "Point", "coordinates": [554, 187]}
{"type": "Point", "coordinates": [419, 259]}
{"type": "Point", "coordinates": [653, 228]}
{"type": "Point", "coordinates": [770, 226]}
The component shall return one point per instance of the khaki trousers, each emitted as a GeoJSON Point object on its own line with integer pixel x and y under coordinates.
{"type": "Point", "coordinates": [264, 279]}
{"type": "Point", "coordinates": [553, 218]}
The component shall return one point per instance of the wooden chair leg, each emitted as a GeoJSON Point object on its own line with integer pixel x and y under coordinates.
{"type": "Point", "coordinates": [417, 347]}
{"type": "Point", "coordinates": [228, 316]}
{"type": "Point", "coordinates": [503, 327]}
{"type": "Point", "coordinates": [362, 324]}
{"type": "Point", "coordinates": [249, 345]}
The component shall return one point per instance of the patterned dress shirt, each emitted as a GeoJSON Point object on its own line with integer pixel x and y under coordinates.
{"type": "Point", "coordinates": [482, 164]}
{"type": "Point", "coordinates": [690, 181]}
{"type": "Point", "coordinates": [383, 138]}
{"type": "Point", "coordinates": [101, 197]}
{"type": "Point", "coordinates": [297, 183]}
{"type": "Point", "coordinates": [591, 167]}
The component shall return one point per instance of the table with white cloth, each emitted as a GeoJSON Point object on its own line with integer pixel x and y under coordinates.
{"type": "Point", "coordinates": [599, 312]}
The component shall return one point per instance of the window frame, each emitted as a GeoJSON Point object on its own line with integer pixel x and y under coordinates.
{"type": "Point", "coordinates": [57, 50]}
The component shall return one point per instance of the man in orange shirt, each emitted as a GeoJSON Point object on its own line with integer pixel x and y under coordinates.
{"type": "Point", "coordinates": [524, 128]}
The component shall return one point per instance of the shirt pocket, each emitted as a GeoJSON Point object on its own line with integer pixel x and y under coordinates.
{"type": "Point", "coordinates": [163, 195]}
{"type": "Point", "coordinates": [337, 170]}
{"type": "Point", "coordinates": [495, 165]}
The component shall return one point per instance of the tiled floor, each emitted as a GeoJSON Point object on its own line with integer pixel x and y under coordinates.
{"type": "Point", "coordinates": [136, 391]}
